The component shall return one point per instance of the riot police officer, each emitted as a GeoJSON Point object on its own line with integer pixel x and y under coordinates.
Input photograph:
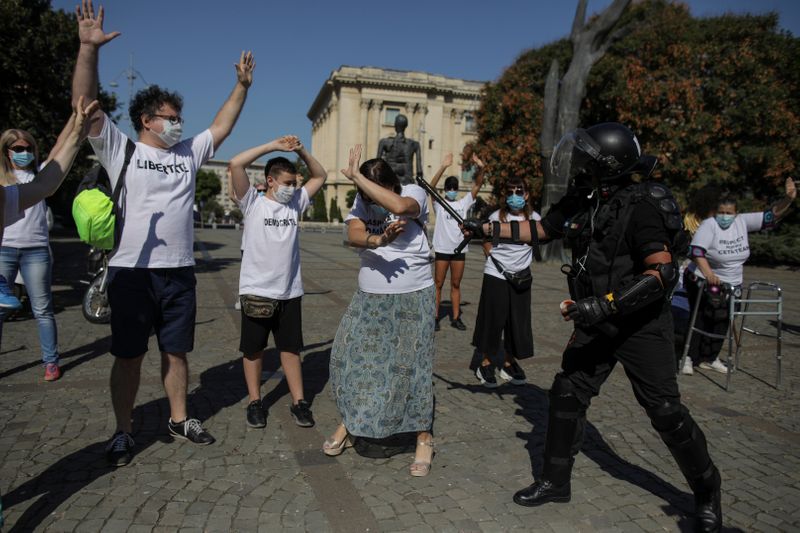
{"type": "Point", "coordinates": [624, 236]}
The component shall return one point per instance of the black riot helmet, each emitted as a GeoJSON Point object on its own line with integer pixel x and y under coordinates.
{"type": "Point", "coordinates": [604, 151]}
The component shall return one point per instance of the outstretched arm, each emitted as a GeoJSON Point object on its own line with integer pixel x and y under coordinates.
{"type": "Point", "coordinates": [446, 162]}
{"type": "Point", "coordinates": [62, 137]}
{"type": "Point", "coordinates": [84, 80]}
{"type": "Point", "coordinates": [783, 205]}
{"type": "Point", "coordinates": [317, 173]}
{"type": "Point", "coordinates": [358, 236]}
{"type": "Point", "coordinates": [399, 205]}
{"type": "Point", "coordinates": [479, 175]}
{"type": "Point", "coordinates": [50, 177]}
{"type": "Point", "coordinates": [229, 113]}
{"type": "Point", "coordinates": [240, 162]}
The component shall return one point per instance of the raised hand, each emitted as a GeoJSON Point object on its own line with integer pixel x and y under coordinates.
{"type": "Point", "coordinates": [287, 143]}
{"type": "Point", "coordinates": [80, 124]}
{"type": "Point", "coordinates": [353, 162]}
{"type": "Point", "coordinates": [477, 160]}
{"type": "Point", "coordinates": [90, 28]}
{"type": "Point", "coordinates": [244, 69]}
{"type": "Point", "coordinates": [448, 160]}
{"type": "Point", "coordinates": [791, 188]}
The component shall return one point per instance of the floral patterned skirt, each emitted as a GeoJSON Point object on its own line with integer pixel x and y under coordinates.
{"type": "Point", "coordinates": [382, 363]}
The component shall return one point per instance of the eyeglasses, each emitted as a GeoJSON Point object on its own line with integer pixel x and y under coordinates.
{"type": "Point", "coordinates": [516, 190]}
{"type": "Point", "coordinates": [19, 149]}
{"type": "Point", "coordinates": [173, 119]}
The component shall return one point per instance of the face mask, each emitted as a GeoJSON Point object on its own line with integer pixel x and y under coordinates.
{"type": "Point", "coordinates": [515, 201]}
{"type": "Point", "coordinates": [22, 159]}
{"type": "Point", "coordinates": [171, 133]}
{"type": "Point", "coordinates": [451, 195]}
{"type": "Point", "coordinates": [261, 193]}
{"type": "Point", "coordinates": [725, 221]}
{"type": "Point", "coordinates": [379, 211]}
{"type": "Point", "coordinates": [283, 194]}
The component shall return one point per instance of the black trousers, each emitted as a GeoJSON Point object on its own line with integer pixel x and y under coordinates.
{"type": "Point", "coordinates": [646, 354]}
{"type": "Point", "coordinates": [713, 317]}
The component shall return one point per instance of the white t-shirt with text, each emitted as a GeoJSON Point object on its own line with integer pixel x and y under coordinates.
{"type": "Point", "coordinates": [726, 250]}
{"type": "Point", "coordinates": [157, 198]}
{"type": "Point", "coordinates": [446, 234]}
{"type": "Point", "coordinates": [271, 259]}
{"type": "Point", "coordinates": [404, 264]}
{"type": "Point", "coordinates": [31, 230]}
{"type": "Point", "coordinates": [513, 257]}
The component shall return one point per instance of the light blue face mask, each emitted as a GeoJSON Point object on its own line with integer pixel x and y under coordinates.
{"type": "Point", "coordinates": [450, 195]}
{"type": "Point", "coordinates": [261, 193]}
{"type": "Point", "coordinates": [725, 221]}
{"type": "Point", "coordinates": [22, 159]}
{"type": "Point", "coordinates": [515, 201]}
{"type": "Point", "coordinates": [379, 211]}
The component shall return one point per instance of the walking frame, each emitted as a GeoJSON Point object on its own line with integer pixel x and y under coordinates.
{"type": "Point", "coordinates": [735, 308]}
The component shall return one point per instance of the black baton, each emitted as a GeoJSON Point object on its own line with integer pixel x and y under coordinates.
{"type": "Point", "coordinates": [447, 207]}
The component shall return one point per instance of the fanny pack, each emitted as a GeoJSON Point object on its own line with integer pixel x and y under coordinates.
{"type": "Point", "coordinates": [258, 306]}
{"type": "Point", "coordinates": [521, 281]}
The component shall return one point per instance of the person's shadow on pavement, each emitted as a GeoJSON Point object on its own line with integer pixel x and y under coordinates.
{"type": "Point", "coordinates": [221, 386]}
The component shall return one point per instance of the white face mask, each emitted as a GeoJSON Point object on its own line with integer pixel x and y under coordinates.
{"type": "Point", "coordinates": [171, 133]}
{"type": "Point", "coordinates": [283, 194]}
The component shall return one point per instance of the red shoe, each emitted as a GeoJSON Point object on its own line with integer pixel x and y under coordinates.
{"type": "Point", "coordinates": [51, 372]}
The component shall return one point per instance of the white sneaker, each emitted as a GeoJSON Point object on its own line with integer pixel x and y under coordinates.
{"type": "Point", "coordinates": [716, 365]}
{"type": "Point", "coordinates": [688, 368]}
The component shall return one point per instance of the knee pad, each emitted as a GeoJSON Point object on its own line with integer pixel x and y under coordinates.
{"type": "Point", "coordinates": [564, 402]}
{"type": "Point", "coordinates": [669, 419]}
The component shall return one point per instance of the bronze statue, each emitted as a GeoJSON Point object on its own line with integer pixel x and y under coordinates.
{"type": "Point", "coordinates": [399, 152]}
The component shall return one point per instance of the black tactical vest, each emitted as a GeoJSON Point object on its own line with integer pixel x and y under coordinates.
{"type": "Point", "coordinates": [601, 260]}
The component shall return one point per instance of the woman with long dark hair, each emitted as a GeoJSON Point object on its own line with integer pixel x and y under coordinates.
{"type": "Point", "coordinates": [382, 356]}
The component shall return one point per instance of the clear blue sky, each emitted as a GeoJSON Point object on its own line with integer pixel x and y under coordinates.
{"type": "Point", "coordinates": [191, 46]}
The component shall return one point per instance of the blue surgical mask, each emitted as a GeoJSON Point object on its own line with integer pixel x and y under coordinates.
{"type": "Point", "coordinates": [379, 211]}
{"type": "Point", "coordinates": [515, 201]}
{"type": "Point", "coordinates": [261, 193]}
{"type": "Point", "coordinates": [725, 221]}
{"type": "Point", "coordinates": [450, 195]}
{"type": "Point", "coordinates": [22, 159]}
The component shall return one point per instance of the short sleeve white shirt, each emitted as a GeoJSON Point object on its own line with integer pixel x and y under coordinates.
{"type": "Point", "coordinates": [446, 234]}
{"type": "Point", "coordinates": [157, 198]}
{"type": "Point", "coordinates": [31, 230]}
{"type": "Point", "coordinates": [271, 259]}
{"type": "Point", "coordinates": [726, 250]}
{"type": "Point", "coordinates": [513, 257]}
{"type": "Point", "coordinates": [404, 264]}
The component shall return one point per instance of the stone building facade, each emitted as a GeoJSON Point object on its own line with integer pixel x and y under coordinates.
{"type": "Point", "coordinates": [219, 167]}
{"type": "Point", "coordinates": [358, 105]}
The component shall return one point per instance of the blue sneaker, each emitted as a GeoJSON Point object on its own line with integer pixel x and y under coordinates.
{"type": "Point", "coordinates": [7, 298]}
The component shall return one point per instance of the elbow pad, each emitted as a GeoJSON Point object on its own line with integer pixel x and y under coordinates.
{"type": "Point", "coordinates": [644, 290]}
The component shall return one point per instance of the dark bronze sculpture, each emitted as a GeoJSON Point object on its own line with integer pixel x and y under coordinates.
{"type": "Point", "coordinates": [399, 152]}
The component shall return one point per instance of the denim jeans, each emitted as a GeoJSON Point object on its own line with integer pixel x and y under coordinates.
{"type": "Point", "coordinates": [35, 265]}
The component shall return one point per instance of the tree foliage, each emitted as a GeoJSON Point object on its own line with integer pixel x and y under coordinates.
{"type": "Point", "coordinates": [714, 98]}
{"type": "Point", "coordinates": [39, 49]}
{"type": "Point", "coordinates": [207, 185]}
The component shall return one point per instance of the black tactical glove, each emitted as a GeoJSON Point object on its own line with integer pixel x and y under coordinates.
{"type": "Point", "coordinates": [590, 311]}
{"type": "Point", "coordinates": [475, 227]}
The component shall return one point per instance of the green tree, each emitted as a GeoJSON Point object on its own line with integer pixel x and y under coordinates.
{"type": "Point", "coordinates": [39, 49]}
{"type": "Point", "coordinates": [351, 198]}
{"type": "Point", "coordinates": [319, 214]}
{"type": "Point", "coordinates": [334, 213]}
{"type": "Point", "coordinates": [715, 98]}
{"type": "Point", "coordinates": [237, 215]}
{"type": "Point", "coordinates": [207, 185]}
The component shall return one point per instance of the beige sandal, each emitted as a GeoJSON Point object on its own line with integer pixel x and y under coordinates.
{"type": "Point", "coordinates": [333, 447]}
{"type": "Point", "coordinates": [422, 468]}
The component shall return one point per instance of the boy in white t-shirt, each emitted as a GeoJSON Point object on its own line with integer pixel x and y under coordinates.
{"type": "Point", "coordinates": [270, 282]}
{"type": "Point", "coordinates": [151, 272]}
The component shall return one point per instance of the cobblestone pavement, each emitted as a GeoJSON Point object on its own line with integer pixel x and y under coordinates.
{"type": "Point", "coordinates": [53, 476]}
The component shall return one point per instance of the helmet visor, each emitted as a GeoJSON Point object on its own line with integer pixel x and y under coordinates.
{"type": "Point", "coordinates": [573, 155]}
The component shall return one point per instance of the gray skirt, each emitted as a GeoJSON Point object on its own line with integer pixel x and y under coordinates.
{"type": "Point", "coordinates": [381, 368]}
